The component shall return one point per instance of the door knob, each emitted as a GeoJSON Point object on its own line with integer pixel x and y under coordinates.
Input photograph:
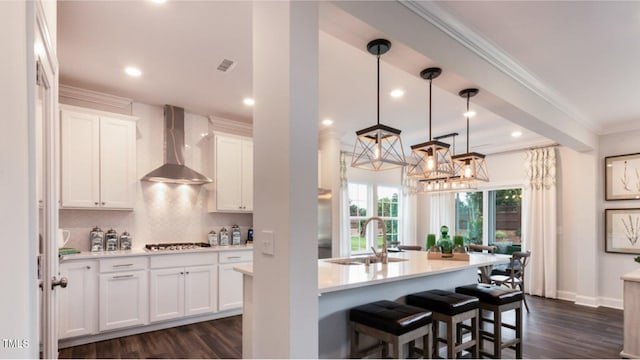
{"type": "Point", "coordinates": [63, 282]}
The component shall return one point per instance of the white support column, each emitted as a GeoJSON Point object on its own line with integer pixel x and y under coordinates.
{"type": "Point", "coordinates": [330, 179]}
{"type": "Point", "coordinates": [285, 87]}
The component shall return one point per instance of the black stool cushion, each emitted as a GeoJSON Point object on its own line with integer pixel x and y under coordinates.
{"type": "Point", "coordinates": [390, 316]}
{"type": "Point", "coordinates": [491, 294]}
{"type": "Point", "coordinates": [444, 302]}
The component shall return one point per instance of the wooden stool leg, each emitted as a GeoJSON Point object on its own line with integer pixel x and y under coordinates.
{"type": "Point", "coordinates": [436, 343]}
{"type": "Point", "coordinates": [451, 344]}
{"type": "Point", "coordinates": [427, 346]}
{"type": "Point", "coordinates": [355, 341]}
{"type": "Point", "coordinates": [474, 336]}
{"type": "Point", "coordinates": [458, 338]}
{"type": "Point", "coordinates": [497, 334]}
{"type": "Point", "coordinates": [398, 349]}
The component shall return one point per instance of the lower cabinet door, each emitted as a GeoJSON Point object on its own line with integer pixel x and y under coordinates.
{"type": "Point", "coordinates": [230, 287]}
{"type": "Point", "coordinates": [124, 299]}
{"type": "Point", "coordinates": [78, 302]}
{"type": "Point", "coordinates": [166, 289]}
{"type": "Point", "coordinates": [200, 287]}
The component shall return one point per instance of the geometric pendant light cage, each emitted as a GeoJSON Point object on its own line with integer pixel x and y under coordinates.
{"type": "Point", "coordinates": [431, 160]}
{"type": "Point", "coordinates": [470, 167]}
{"type": "Point", "coordinates": [378, 147]}
{"type": "Point", "coordinates": [451, 183]}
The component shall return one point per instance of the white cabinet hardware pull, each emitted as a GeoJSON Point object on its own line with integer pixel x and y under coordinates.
{"type": "Point", "coordinates": [233, 257]}
{"type": "Point", "coordinates": [122, 276]}
{"type": "Point", "coordinates": [122, 265]}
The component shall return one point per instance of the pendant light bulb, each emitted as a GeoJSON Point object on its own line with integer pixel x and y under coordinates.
{"type": "Point", "coordinates": [430, 162]}
{"type": "Point", "coordinates": [467, 171]}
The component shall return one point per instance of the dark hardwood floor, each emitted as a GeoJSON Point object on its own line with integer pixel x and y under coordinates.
{"type": "Point", "coordinates": [553, 329]}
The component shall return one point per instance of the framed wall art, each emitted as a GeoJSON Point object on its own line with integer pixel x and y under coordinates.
{"type": "Point", "coordinates": [622, 231]}
{"type": "Point", "coordinates": [622, 177]}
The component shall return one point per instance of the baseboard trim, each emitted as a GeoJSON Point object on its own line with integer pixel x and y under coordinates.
{"type": "Point", "coordinates": [65, 343]}
{"type": "Point", "coordinates": [590, 300]}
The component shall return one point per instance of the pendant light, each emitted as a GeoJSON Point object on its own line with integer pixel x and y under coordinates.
{"type": "Point", "coordinates": [445, 184]}
{"type": "Point", "coordinates": [470, 167]}
{"type": "Point", "coordinates": [378, 147]}
{"type": "Point", "coordinates": [432, 159]}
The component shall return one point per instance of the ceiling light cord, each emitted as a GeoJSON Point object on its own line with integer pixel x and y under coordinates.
{"type": "Point", "coordinates": [430, 92]}
{"type": "Point", "coordinates": [468, 96]}
{"type": "Point", "coordinates": [378, 85]}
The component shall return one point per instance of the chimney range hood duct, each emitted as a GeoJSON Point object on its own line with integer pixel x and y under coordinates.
{"type": "Point", "coordinates": [173, 170]}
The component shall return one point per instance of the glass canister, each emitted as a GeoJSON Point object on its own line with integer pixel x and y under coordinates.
{"type": "Point", "coordinates": [111, 240]}
{"type": "Point", "coordinates": [125, 241]}
{"type": "Point", "coordinates": [96, 239]}
{"type": "Point", "coordinates": [235, 235]}
{"type": "Point", "coordinates": [224, 237]}
{"type": "Point", "coordinates": [213, 238]}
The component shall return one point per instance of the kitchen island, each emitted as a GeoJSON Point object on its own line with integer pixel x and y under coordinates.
{"type": "Point", "coordinates": [343, 286]}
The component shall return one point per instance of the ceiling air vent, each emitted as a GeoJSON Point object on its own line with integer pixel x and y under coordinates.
{"type": "Point", "coordinates": [226, 65]}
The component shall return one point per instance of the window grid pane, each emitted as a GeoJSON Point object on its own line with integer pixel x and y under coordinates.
{"type": "Point", "coordinates": [469, 216]}
{"type": "Point", "coordinates": [508, 217]}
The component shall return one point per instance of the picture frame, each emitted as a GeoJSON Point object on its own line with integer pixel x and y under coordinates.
{"type": "Point", "coordinates": [622, 231]}
{"type": "Point", "coordinates": [622, 177]}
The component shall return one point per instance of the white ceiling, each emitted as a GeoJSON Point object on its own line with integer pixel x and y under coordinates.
{"type": "Point", "coordinates": [582, 52]}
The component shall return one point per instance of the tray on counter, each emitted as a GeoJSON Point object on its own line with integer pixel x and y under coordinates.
{"type": "Point", "coordinates": [442, 256]}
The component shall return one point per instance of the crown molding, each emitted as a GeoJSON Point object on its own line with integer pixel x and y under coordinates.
{"type": "Point", "coordinates": [493, 54]}
{"type": "Point", "coordinates": [95, 97]}
{"type": "Point", "coordinates": [231, 126]}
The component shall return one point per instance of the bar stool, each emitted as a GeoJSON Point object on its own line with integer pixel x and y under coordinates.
{"type": "Point", "coordinates": [390, 323]}
{"type": "Point", "coordinates": [497, 299]}
{"type": "Point", "coordinates": [452, 309]}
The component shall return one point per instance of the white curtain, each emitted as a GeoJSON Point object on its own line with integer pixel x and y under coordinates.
{"type": "Point", "coordinates": [345, 236]}
{"type": "Point", "coordinates": [539, 221]}
{"type": "Point", "coordinates": [409, 210]}
{"type": "Point", "coordinates": [442, 211]}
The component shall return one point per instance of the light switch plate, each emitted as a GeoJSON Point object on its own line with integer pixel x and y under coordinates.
{"type": "Point", "coordinates": [268, 246]}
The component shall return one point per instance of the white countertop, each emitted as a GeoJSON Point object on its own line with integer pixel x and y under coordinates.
{"type": "Point", "coordinates": [140, 252]}
{"type": "Point", "coordinates": [336, 277]}
{"type": "Point", "coordinates": [632, 276]}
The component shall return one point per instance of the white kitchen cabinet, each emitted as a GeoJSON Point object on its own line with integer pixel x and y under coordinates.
{"type": "Point", "coordinates": [77, 303]}
{"type": "Point", "coordinates": [123, 293]}
{"type": "Point", "coordinates": [229, 280]}
{"type": "Point", "coordinates": [98, 159]}
{"type": "Point", "coordinates": [178, 292]}
{"type": "Point", "coordinates": [233, 169]}
{"type": "Point", "coordinates": [182, 285]}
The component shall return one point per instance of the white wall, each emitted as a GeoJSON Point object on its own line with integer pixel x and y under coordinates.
{"type": "Point", "coordinates": [163, 213]}
{"type": "Point", "coordinates": [611, 265]}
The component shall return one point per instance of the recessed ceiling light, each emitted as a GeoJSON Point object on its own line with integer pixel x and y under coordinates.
{"type": "Point", "coordinates": [516, 134]}
{"type": "Point", "coordinates": [132, 71]}
{"type": "Point", "coordinates": [159, 1]}
{"type": "Point", "coordinates": [248, 101]}
{"type": "Point", "coordinates": [469, 113]}
{"type": "Point", "coordinates": [327, 122]}
{"type": "Point", "coordinates": [396, 93]}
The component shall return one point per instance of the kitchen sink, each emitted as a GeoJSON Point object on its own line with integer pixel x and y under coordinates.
{"type": "Point", "coordinates": [360, 260]}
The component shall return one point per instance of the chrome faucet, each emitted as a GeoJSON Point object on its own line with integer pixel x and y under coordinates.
{"type": "Point", "coordinates": [382, 255]}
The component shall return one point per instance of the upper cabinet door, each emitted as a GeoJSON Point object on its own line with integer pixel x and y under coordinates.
{"type": "Point", "coordinates": [80, 160]}
{"type": "Point", "coordinates": [228, 165]}
{"type": "Point", "coordinates": [247, 175]}
{"type": "Point", "coordinates": [117, 163]}
{"type": "Point", "coordinates": [98, 160]}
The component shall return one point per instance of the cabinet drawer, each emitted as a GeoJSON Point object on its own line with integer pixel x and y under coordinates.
{"type": "Point", "coordinates": [123, 264]}
{"type": "Point", "coordinates": [180, 260]}
{"type": "Point", "coordinates": [236, 256]}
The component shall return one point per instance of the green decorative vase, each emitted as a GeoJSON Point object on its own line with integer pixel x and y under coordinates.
{"type": "Point", "coordinates": [431, 240]}
{"type": "Point", "coordinates": [445, 242]}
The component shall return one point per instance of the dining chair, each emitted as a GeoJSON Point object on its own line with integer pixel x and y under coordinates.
{"type": "Point", "coordinates": [515, 277]}
{"type": "Point", "coordinates": [483, 272]}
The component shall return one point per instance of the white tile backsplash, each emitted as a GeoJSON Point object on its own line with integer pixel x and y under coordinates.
{"type": "Point", "coordinates": [163, 213]}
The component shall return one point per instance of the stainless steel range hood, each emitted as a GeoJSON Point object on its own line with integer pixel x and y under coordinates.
{"type": "Point", "coordinates": [173, 170]}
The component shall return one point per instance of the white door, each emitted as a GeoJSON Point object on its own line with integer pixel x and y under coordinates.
{"type": "Point", "coordinates": [200, 287]}
{"type": "Point", "coordinates": [166, 292]}
{"type": "Point", "coordinates": [78, 313]}
{"type": "Point", "coordinates": [45, 209]}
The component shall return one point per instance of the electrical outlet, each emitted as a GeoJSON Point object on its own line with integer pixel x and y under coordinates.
{"type": "Point", "coordinates": [268, 240]}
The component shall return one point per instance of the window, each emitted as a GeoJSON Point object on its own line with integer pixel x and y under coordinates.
{"type": "Point", "coordinates": [506, 208]}
{"type": "Point", "coordinates": [503, 220]}
{"type": "Point", "coordinates": [366, 200]}
{"type": "Point", "coordinates": [469, 216]}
